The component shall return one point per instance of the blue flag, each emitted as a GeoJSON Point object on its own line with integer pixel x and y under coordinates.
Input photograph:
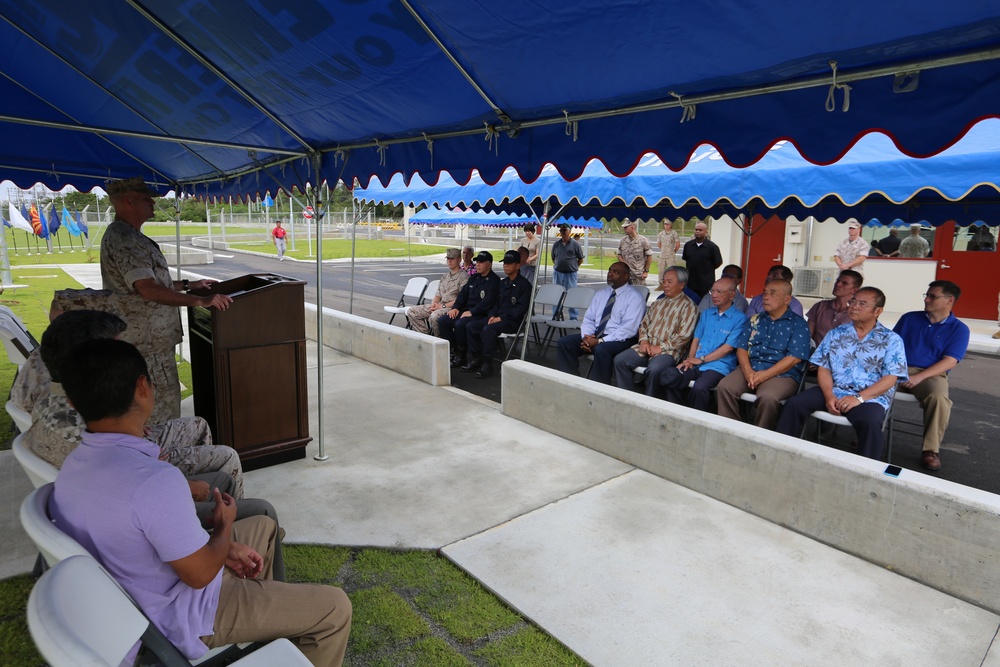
{"type": "Point", "coordinates": [268, 202]}
{"type": "Point", "coordinates": [69, 224]}
{"type": "Point", "coordinates": [44, 229]}
{"type": "Point", "coordinates": [81, 225]}
{"type": "Point", "coordinates": [54, 223]}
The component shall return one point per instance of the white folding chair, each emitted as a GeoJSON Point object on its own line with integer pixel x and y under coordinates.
{"type": "Point", "coordinates": [905, 397]}
{"type": "Point", "coordinates": [822, 416]}
{"type": "Point", "coordinates": [6, 310]}
{"type": "Point", "coordinates": [79, 616]}
{"type": "Point", "coordinates": [16, 340]}
{"type": "Point", "coordinates": [432, 289]}
{"type": "Point", "coordinates": [576, 297]}
{"type": "Point", "coordinates": [550, 295]}
{"type": "Point", "coordinates": [22, 418]}
{"type": "Point", "coordinates": [38, 469]}
{"type": "Point", "coordinates": [414, 290]}
{"type": "Point", "coordinates": [53, 544]}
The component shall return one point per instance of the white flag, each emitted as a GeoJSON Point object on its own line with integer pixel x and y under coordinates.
{"type": "Point", "coordinates": [17, 220]}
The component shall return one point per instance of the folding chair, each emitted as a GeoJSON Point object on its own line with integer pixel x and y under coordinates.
{"type": "Point", "coordinates": [551, 295]}
{"type": "Point", "coordinates": [53, 544]}
{"type": "Point", "coordinates": [6, 310]}
{"type": "Point", "coordinates": [78, 615]}
{"type": "Point", "coordinates": [576, 297]}
{"type": "Point", "coordinates": [643, 291]}
{"type": "Point", "coordinates": [16, 340]}
{"type": "Point", "coordinates": [38, 469]}
{"type": "Point", "coordinates": [21, 418]}
{"type": "Point", "coordinates": [414, 290]}
{"type": "Point", "coordinates": [822, 416]}
{"type": "Point", "coordinates": [905, 397]}
{"type": "Point", "coordinates": [432, 289]}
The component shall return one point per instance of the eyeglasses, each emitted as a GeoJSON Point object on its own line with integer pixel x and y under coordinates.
{"type": "Point", "coordinates": [859, 304]}
{"type": "Point", "coordinates": [719, 291]}
{"type": "Point", "coordinates": [932, 297]}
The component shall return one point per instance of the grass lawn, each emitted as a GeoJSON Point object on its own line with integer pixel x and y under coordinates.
{"type": "Point", "coordinates": [410, 608]}
{"type": "Point", "coordinates": [339, 248]}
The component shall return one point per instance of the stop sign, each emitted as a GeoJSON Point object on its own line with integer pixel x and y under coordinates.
{"type": "Point", "coordinates": [307, 212]}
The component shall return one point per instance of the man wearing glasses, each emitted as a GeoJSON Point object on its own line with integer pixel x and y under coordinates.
{"type": "Point", "coordinates": [935, 342]}
{"type": "Point", "coordinates": [858, 365]}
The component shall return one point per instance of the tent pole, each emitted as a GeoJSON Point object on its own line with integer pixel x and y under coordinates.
{"type": "Point", "coordinates": [354, 245]}
{"type": "Point", "coordinates": [318, 211]}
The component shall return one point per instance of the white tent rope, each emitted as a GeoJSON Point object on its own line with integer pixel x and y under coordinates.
{"type": "Point", "coordinates": [492, 138]}
{"type": "Point", "coordinates": [690, 110]}
{"type": "Point", "coordinates": [430, 147]}
{"type": "Point", "coordinates": [381, 153]}
{"type": "Point", "coordinates": [572, 126]}
{"type": "Point", "coordinates": [831, 103]}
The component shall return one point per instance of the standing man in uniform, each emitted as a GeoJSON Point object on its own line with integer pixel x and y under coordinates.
{"type": "Point", "coordinates": [473, 303]}
{"type": "Point", "coordinates": [567, 256]}
{"type": "Point", "coordinates": [669, 243]}
{"type": "Point", "coordinates": [134, 268]}
{"type": "Point", "coordinates": [914, 246]}
{"type": "Point", "coordinates": [702, 257]}
{"type": "Point", "coordinates": [852, 251]}
{"type": "Point", "coordinates": [636, 252]}
{"type": "Point", "coordinates": [505, 317]}
{"type": "Point", "coordinates": [278, 238]}
{"type": "Point", "coordinates": [424, 318]}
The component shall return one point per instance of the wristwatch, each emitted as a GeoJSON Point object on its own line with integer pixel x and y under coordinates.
{"type": "Point", "coordinates": [860, 400]}
{"type": "Point", "coordinates": [186, 284]}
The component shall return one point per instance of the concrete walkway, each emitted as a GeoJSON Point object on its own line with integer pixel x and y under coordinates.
{"type": "Point", "coordinates": [623, 567]}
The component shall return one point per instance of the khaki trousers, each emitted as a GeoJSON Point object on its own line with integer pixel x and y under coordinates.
{"type": "Point", "coordinates": [315, 618]}
{"type": "Point", "coordinates": [770, 394]}
{"type": "Point", "coordinates": [167, 395]}
{"type": "Point", "coordinates": [934, 401]}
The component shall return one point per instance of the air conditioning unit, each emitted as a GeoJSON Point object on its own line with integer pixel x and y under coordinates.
{"type": "Point", "coordinates": [814, 282]}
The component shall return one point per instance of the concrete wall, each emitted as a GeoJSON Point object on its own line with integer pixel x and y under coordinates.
{"type": "Point", "coordinates": [944, 535]}
{"type": "Point", "coordinates": [421, 357]}
{"type": "Point", "coordinates": [189, 256]}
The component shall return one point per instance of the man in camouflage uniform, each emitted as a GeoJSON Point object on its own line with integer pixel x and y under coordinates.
{"type": "Point", "coordinates": [134, 268]}
{"type": "Point", "coordinates": [56, 428]}
{"type": "Point", "coordinates": [636, 252]}
{"type": "Point", "coordinates": [425, 318]}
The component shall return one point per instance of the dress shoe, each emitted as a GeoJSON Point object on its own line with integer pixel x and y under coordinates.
{"type": "Point", "coordinates": [930, 460]}
{"type": "Point", "coordinates": [473, 365]}
{"type": "Point", "coordinates": [457, 360]}
{"type": "Point", "coordinates": [485, 370]}
{"type": "Point", "coordinates": [996, 335]}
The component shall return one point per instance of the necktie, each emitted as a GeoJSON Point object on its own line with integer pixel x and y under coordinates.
{"type": "Point", "coordinates": [606, 315]}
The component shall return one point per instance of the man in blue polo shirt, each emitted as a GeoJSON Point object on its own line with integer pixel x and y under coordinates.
{"type": "Point", "coordinates": [712, 354]}
{"type": "Point", "coordinates": [935, 342]}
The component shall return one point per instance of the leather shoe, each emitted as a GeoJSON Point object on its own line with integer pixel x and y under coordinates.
{"type": "Point", "coordinates": [472, 365]}
{"type": "Point", "coordinates": [485, 370]}
{"type": "Point", "coordinates": [930, 460]}
{"type": "Point", "coordinates": [457, 360]}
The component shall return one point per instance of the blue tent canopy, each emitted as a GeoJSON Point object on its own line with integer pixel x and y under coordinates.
{"type": "Point", "coordinates": [236, 97]}
{"type": "Point", "coordinates": [458, 216]}
{"type": "Point", "coordinates": [873, 180]}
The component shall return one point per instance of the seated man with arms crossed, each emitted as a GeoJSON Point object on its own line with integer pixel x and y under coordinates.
{"type": "Point", "coordinates": [424, 318]}
{"type": "Point", "coordinates": [769, 353]}
{"type": "Point", "coordinates": [608, 327]}
{"type": "Point", "coordinates": [829, 314]}
{"type": "Point", "coordinates": [935, 342]}
{"type": "Point", "coordinates": [664, 335]}
{"type": "Point", "coordinates": [858, 364]}
{"type": "Point", "coordinates": [134, 514]}
{"type": "Point", "coordinates": [712, 353]}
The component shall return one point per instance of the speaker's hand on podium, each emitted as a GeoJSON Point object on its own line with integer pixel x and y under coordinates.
{"type": "Point", "coordinates": [202, 284]}
{"type": "Point", "coordinates": [220, 301]}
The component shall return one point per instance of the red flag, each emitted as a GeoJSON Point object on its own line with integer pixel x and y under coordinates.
{"type": "Point", "coordinates": [36, 223]}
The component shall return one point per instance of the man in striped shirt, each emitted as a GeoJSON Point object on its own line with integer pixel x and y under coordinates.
{"type": "Point", "coordinates": [664, 335]}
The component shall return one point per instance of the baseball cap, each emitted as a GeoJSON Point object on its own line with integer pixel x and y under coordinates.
{"type": "Point", "coordinates": [512, 256]}
{"type": "Point", "coordinates": [453, 253]}
{"type": "Point", "coordinates": [627, 223]}
{"type": "Point", "coordinates": [852, 223]}
{"type": "Point", "coordinates": [483, 256]}
{"type": "Point", "coordinates": [134, 184]}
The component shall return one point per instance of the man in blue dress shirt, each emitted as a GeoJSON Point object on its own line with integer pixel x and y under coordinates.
{"type": "Point", "coordinates": [712, 355]}
{"type": "Point", "coordinates": [609, 326]}
{"type": "Point", "coordinates": [858, 365]}
{"type": "Point", "coordinates": [935, 342]}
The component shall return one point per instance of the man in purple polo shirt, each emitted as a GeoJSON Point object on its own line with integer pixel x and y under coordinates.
{"type": "Point", "coordinates": [935, 342]}
{"type": "Point", "coordinates": [135, 514]}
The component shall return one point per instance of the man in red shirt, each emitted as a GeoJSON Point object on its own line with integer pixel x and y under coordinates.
{"type": "Point", "coordinates": [278, 239]}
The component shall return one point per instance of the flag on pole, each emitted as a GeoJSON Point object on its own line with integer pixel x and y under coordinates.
{"type": "Point", "coordinates": [268, 202]}
{"type": "Point", "coordinates": [36, 224]}
{"type": "Point", "coordinates": [43, 224]}
{"type": "Point", "coordinates": [54, 223]}
{"type": "Point", "coordinates": [69, 223]}
{"type": "Point", "coordinates": [81, 225]}
{"type": "Point", "coordinates": [18, 221]}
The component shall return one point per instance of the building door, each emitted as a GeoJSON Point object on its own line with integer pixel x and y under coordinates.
{"type": "Point", "coordinates": [967, 256]}
{"type": "Point", "coordinates": [763, 245]}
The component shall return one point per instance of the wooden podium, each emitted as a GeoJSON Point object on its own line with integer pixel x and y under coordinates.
{"type": "Point", "coordinates": [248, 368]}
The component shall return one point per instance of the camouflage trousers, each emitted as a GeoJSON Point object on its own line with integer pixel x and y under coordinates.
{"type": "Point", "coordinates": [424, 320]}
{"type": "Point", "coordinates": [187, 444]}
{"type": "Point", "coordinates": [167, 397]}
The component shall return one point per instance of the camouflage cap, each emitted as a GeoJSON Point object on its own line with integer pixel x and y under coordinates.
{"type": "Point", "coordinates": [453, 253]}
{"type": "Point", "coordinates": [134, 184]}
